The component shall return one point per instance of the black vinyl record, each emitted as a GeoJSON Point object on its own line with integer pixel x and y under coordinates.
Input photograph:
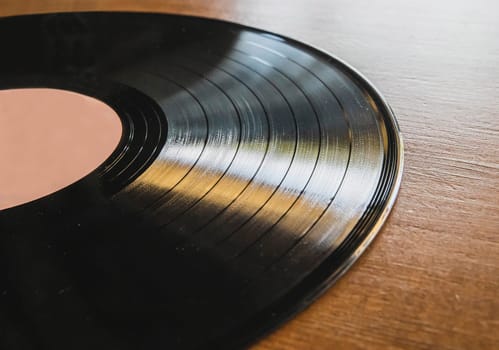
{"type": "Point", "coordinates": [251, 173]}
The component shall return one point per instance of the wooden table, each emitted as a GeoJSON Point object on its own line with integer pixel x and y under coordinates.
{"type": "Point", "coordinates": [431, 278]}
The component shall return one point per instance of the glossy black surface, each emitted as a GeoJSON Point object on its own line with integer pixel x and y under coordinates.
{"type": "Point", "coordinates": [253, 170]}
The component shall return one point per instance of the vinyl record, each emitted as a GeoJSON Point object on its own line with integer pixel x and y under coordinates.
{"type": "Point", "coordinates": [252, 171]}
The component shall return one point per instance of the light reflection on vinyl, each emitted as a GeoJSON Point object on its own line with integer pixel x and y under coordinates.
{"type": "Point", "coordinates": [251, 173]}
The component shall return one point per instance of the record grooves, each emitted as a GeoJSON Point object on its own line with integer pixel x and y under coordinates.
{"type": "Point", "coordinates": [252, 171]}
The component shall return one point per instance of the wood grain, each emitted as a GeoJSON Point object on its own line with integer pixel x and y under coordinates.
{"type": "Point", "coordinates": [431, 278]}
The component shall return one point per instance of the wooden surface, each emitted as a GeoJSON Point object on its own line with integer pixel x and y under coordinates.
{"type": "Point", "coordinates": [430, 280]}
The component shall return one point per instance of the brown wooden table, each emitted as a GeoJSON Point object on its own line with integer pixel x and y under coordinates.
{"type": "Point", "coordinates": [431, 278]}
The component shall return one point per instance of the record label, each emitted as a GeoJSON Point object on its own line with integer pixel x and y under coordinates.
{"type": "Point", "coordinates": [49, 139]}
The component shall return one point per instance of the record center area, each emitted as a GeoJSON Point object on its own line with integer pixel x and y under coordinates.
{"type": "Point", "coordinates": [49, 139]}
